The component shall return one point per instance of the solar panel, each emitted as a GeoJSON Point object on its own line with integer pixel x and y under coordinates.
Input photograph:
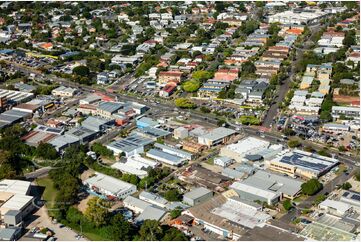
{"type": "Point", "coordinates": [345, 194]}
{"type": "Point", "coordinates": [355, 197]}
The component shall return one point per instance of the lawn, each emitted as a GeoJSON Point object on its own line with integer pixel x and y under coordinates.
{"type": "Point", "coordinates": [49, 193]}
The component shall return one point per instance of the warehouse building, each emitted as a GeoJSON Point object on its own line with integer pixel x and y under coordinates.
{"type": "Point", "coordinates": [230, 218]}
{"type": "Point", "coordinates": [10, 117]}
{"type": "Point", "coordinates": [132, 145]}
{"type": "Point", "coordinates": [98, 124]}
{"type": "Point", "coordinates": [135, 204]}
{"type": "Point", "coordinates": [15, 97]}
{"type": "Point", "coordinates": [352, 198]}
{"type": "Point", "coordinates": [153, 198]}
{"type": "Point", "coordinates": [223, 161]}
{"type": "Point", "coordinates": [297, 17]}
{"type": "Point", "coordinates": [165, 157]}
{"type": "Point", "coordinates": [16, 202]}
{"type": "Point", "coordinates": [64, 91]}
{"type": "Point", "coordinates": [129, 169]}
{"type": "Point", "coordinates": [216, 136]}
{"type": "Point", "coordinates": [197, 195]}
{"type": "Point", "coordinates": [41, 134]}
{"type": "Point", "coordinates": [146, 122]}
{"type": "Point", "coordinates": [267, 187]}
{"type": "Point", "coordinates": [244, 147]}
{"type": "Point", "coordinates": [301, 163]}
{"type": "Point", "coordinates": [150, 213]}
{"type": "Point", "coordinates": [174, 151]}
{"type": "Point", "coordinates": [333, 207]}
{"type": "Point", "coordinates": [110, 187]}
{"type": "Point", "coordinates": [347, 112]}
{"type": "Point", "coordinates": [152, 133]}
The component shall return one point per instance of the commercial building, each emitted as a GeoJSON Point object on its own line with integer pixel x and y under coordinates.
{"type": "Point", "coordinates": [297, 17]}
{"type": "Point", "coordinates": [267, 187]}
{"type": "Point", "coordinates": [165, 157]}
{"type": "Point", "coordinates": [333, 207]}
{"type": "Point", "coordinates": [129, 169]}
{"type": "Point", "coordinates": [223, 161]}
{"type": "Point", "coordinates": [130, 146]}
{"type": "Point", "coordinates": [146, 122]}
{"type": "Point", "coordinates": [228, 217]}
{"type": "Point", "coordinates": [153, 198]}
{"type": "Point", "coordinates": [14, 97]}
{"type": "Point", "coordinates": [197, 195]}
{"type": "Point", "coordinates": [233, 173]}
{"type": "Point", "coordinates": [64, 91]}
{"type": "Point", "coordinates": [180, 133]}
{"type": "Point", "coordinates": [150, 213]}
{"type": "Point", "coordinates": [97, 124]}
{"type": "Point", "coordinates": [216, 136]}
{"type": "Point", "coordinates": [10, 117]}
{"type": "Point", "coordinates": [109, 186]}
{"type": "Point", "coordinates": [243, 148]}
{"type": "Point", "coordinates": [335, 127]}
{"type": "Point", "coordinates": [347, 112]}
{"type": "Point", "coordinates": [301, 163]}
{"type": "Point", "coordinates": [106, 109]}
{"type": "Point", "coordinates": [352, 198]}
{"type": "Point", "coordinates": [174, 151]}
{"type": "Point", "coordinates": [16, 201]}
{"type": "Point", "coordinates": [10, 234]}
{"type": "Point", "coordinates": [135, 204]}
{"type": "Point", "coordinates": [41, 134]}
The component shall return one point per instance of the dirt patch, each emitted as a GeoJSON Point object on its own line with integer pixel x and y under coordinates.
{"type": "Point", "coordinates": [86, 174]}
{"type": "Point", "coordinates": [346, 99]}
{"type": "Point", "coordinates": [83, 205]}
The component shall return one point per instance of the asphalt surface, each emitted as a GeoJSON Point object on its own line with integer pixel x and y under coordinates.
{"type": "Point", "coordinates": [284, 87]}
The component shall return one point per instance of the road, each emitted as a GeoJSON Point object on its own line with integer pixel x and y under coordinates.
{"type": "Point", "coordinates": [327, 189]}
{"type": "Point", "coordinates": [284, 87]}
{"type": "Point", "coordinates": [38, 173]}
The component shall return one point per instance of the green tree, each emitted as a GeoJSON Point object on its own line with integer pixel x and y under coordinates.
{"type": "Point", "coordinates": [102, 150]}
{"type": "Point", "coordinates": [119, 229]}
{"type": "Point", "coordinates": [95, 212]}
{"type": "Point", "coordinates": [311, 187]}
{"type": "Point", "coordinates": [205, 109]}
{"type": "Point", "coordinates": [249, 26]}
{"type": "Point", "coordinates": [173, 234]}
{"type": "Point", "coordinates": [184, 103]}
{"type": "Point", "coordinates": [350, 38]}
{"type": "Point", "coordinates": [81, 71]}
{"type": "Point", "coordinates": [293, 143]}
{"type": "Point", "coordinates": [150, 231]}
{"type": "Point", "coordinates": [191, 85]}
{"type": "Point", "coordinates": [175, 213]}
{"type": "Point", "coordinates": [248, 68]}
{"type": "Point", "coordinates": [287, 204]}
{"type": "Point", "coordinates": [346, 186]}
{"type": "Point", "coordinates": [202, 75]}
{"type": "Point", "coordinates": [172, 195]}
{"type": "Point", "coordinates": [46, 151]}
{"type": "Point", "coordinates": [320, 198]}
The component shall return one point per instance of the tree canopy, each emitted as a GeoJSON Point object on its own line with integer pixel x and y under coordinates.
{"type": "Point", "coordinates": [191, 85]}
{"type": "Point", "coordinates": [311, 187]}
{"type": "Point", "coordinates": [81, 71]}
{"type": "Point", "coordinates": [184, 103]}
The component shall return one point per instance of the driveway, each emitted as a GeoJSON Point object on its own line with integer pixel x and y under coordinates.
{"type": "Point", "coordinates": [43, 220]}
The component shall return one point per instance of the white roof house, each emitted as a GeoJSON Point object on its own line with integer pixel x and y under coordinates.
{"type": "Point", "coordinates": [216, 136]}
{"type": "Point", "coordinates": [110, 186]}
{"type": "Point", "coordinates": [124, 167]}
{"type": "Point", "coordinates": [247, 146]}
{"type": "Point", "coordinates": [335, 207]}
{"type": "Point", "coordinates": [15, 186]}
